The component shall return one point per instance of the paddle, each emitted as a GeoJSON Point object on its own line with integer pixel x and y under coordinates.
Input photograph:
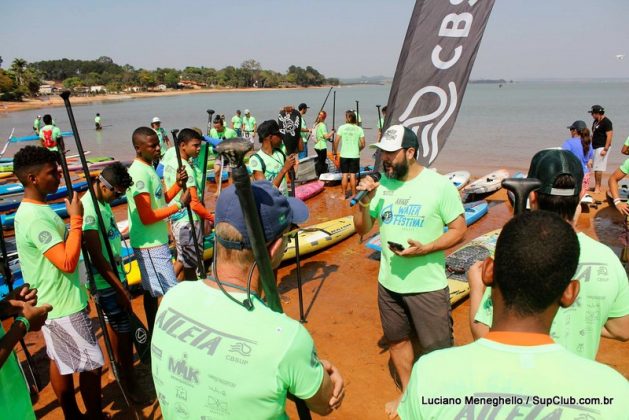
{"type": "Point", "coordinates": [4, 149]}
{"type": "Point", "coordinates": [358, 121]}
{"type": "Point", "coordinates": [331, 139]}
{"type": "Point", "coordinates": [234, 151]}
{"type": "Point", "coordinates": [139, 332]}
{"type": "Point", "coordinates": [202, 160]}
{"type": "Point", "coordinates": [197, 251]}
{"type": "Point", "coordinates": [8, 278]}
{"type": "Point", "coordinates": [521, 188]}
{"type": "Point", "coordinates": [379, 122]}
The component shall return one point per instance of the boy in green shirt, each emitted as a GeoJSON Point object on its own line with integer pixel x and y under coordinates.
{"type": "Point", "coordinates": [516, 369]}
{"type": "Point", "coordinates": [249, 125]}
{"type": "Point", "coordinates": [15, 402]}
{"type": "Point", "coordinates": [304, 131]}
{"type": "Point", "coordinates": [218, 351]}
{"type": "Point", "coordinates": [164, 141]}
{"type": "Point", "coordinates": [148, 228]}
{"type": "Point", "coordinates": [110, 282]}
{"type": "Point", "coordinates": [49, 255]}
{"type": "Point", "coordinates": [98, 122]}
{"type": "Point", "coordinates": [603, 306]}
{"type": "Point", "coordinates": [270, 162]}
{"type": "Point", "coordinates": [352, 140]}
{"type": "Point", "coordinates": [237, 123]}
{"type": "Point", "coordinates": [219, 131]}
{"type": "Point", "coordinates": [49, 134]}
{"type": "Point", "coordinates": [189, 144]}
{"type": "Point", "coordinates": [37, 124]}
{"type": "Point", "coordinates": [322, 136]}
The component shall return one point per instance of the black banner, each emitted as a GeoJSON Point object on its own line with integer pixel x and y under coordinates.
{"type": "Point", "coordinates": [434, 66]}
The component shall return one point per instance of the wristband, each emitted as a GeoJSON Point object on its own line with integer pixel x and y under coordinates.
{"type": "Point", "coordinates": [24, 321]}
{"type": "Point", "coordinates": [616, 201]}
{"type": "Point", "coordinates": [363, 205]}
{"type": "Point", "coordinates": [178, 204]}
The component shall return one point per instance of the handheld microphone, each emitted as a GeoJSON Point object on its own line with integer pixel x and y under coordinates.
{"type": "Point", "coordinates": [376, 177]}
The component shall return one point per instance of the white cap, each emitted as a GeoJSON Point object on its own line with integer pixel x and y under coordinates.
{"type": "Point", "coordinates": [156, 120]}
{"type": "Point", "coordinates": [39, 116]}
{"type": "Point", "coordinates": [395, 138]}
{"type": "Point", "coordinates": [247, 112]}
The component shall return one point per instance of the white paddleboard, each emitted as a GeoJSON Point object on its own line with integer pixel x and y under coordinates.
{"type": "Point", "coordinates": [459, 178]}
{"type": "Point", "coordinates": [488, 183]}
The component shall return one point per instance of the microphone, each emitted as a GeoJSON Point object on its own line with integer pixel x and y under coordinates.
{"type": "Point", "coordinates": [376, 177]}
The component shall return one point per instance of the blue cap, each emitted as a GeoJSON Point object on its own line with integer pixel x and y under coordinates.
{"type": "Point", "coordinates": [275, 210]}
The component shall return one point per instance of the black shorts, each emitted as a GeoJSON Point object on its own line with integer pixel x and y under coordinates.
{"type": "Point", "coordinates": [425, 315]}
{"type": "Point", "coordinates": [350, 165]}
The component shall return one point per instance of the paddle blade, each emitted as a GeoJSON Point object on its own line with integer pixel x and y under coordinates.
{"type": "Point", "coordinates": [141, 340]}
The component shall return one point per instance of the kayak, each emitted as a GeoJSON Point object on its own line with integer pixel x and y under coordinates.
{"type": "Point", "coordinates": [34, 137]}
{"type": "Point", "coordinates": [62, 191]}
{"type": "Point", "coordinates": [92, 166]}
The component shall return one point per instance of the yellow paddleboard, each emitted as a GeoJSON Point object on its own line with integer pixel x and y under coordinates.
{"type": "Point", "coordinates": [6, 174]}
{"type": "Point", "coordinates": [322, 235]}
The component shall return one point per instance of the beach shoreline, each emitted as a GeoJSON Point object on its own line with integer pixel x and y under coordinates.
{"type": "Point", "coordinates": [49, 101]}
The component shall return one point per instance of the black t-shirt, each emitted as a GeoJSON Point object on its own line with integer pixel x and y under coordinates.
{"type": "Point", "coordinates": [290, 126]}
{"type": "Point", "coordinates": [599, 132]}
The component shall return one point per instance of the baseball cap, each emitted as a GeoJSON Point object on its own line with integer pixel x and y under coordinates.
{"type": "Point", "coordinates": [247, 111]}
{"type": "Point", "coordinates": [548, 165]}
{"type": "Point", "coordinates": [395, 138]}
{"type": "Point", "coordinates": [577, 125]}
{"type": "Point", "coordinates": [275, 210]}
{"type": "Point", "coordinates": [156, 120]}
{"type": "Point", "coordinates": [268, 128]}
{"type": "Point", "coordinates": [596, 109]}
{"type": "Point", "coordinates": [302, 106]}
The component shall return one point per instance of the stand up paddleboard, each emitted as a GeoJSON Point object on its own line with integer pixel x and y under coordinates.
{"type": "Point", "coordinates": [488, 183]}
{"type": "Point", "coordinates": [309, 190]}
{"type": "Point", "coordinates": [319, 236]}
{"type": "Point", "coordinates": [459, 178]}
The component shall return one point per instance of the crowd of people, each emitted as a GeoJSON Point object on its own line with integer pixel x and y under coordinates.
{"type": "Point", "coordinates": [538, 306]}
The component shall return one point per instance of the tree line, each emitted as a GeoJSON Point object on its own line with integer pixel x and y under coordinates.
{"type": "Point", "coordinates": [24, 79]}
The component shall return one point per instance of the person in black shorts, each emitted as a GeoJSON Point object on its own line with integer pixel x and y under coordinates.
{"type": "Point", "coordinates": [352, 140]}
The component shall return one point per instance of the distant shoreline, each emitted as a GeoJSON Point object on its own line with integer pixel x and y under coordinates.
{"type": "Point", "coordinates": [56, 101]}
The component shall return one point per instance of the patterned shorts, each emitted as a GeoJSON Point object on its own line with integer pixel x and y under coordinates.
{"type": "Point", "coordinates": [71, 342]}
{"type": "Point", "coordinates": [186, 252]}
{"type": "Point", "coordinates": [112, 311]}
{"type": "Point", "coordinates": [156, 269]}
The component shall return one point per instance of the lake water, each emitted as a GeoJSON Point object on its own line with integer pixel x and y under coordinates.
{"type": "Point", "coordinates": [496, 127]}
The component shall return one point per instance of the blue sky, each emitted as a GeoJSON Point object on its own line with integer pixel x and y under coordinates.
{"type": "Point", "coordinates": [345, 38]}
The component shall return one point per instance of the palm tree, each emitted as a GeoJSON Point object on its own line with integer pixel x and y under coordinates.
{"type": "Point", "coordinates": [17, 67]}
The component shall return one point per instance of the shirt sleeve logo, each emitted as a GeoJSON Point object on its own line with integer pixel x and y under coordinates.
{"type": "Point", "coordinates": [90, 220]}
{"type": "Point", "coordinates": [45, 237]}
{"type": "Point", "coordinates": [139, 185]}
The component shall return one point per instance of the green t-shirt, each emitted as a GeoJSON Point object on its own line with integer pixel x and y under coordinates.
{"type": "Point", "coordinates": [320, 132]}
{"type": "Point", "coordinates": [145, 181]}
{"type": "Point", "coordinates": [90, 222]}
{"type": "Point", "coordinates": [304, 134]}
{"type": "Point", "coordinates": [487, 371]}
{"type": "Point", "coordinates": [37, 124]}
{"type": "Point", "coordinates": [170, 177]}
{"type": "Point", "coordinates": [603, 294]}
{"type": "Point", "coordinates": [15, 402]}
{"type": "Point", "coordinates": [417, 209]}
{"type": "Point", "coordinates": [248, 123]}
{"type": "Point", "coordinates": [49, 135]}
{"type": "Point", "coordinates": [161, 135]}
{"type": "Point", "coordinates": [97, 120]}
{"type": "Point", "coordinates": [37, 229]}
{"type": "Point", "coordinates": [350, 140]}
{"type": "Point", "coordinates": [227, 133]}
{"type": "Point", "coordinates": [273, 165]}
{"type": "Point", "coordinates": [237, 122]}
{"type": "Point", "coordinates": [625, 166]}
{"type": "Point", "coordinates": [212, 357]}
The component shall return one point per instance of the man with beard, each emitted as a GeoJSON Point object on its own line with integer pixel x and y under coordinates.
{"type": "Point", "coordinates": [413, 204]}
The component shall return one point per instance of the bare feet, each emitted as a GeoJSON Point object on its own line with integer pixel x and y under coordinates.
{"type": "Point", "coordinates": [391, 408]}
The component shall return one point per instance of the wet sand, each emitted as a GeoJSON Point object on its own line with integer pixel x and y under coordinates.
{"type": "Point", "coordinates": [342, 315]}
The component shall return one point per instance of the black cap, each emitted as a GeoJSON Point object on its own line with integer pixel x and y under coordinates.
{"type": "Point", "coordinates": [547, 165]}
{"type": "Point", "coordinates": [302, 106]}
{"type": "Point", "coordinates": [578, 125]}
{"type": "Point", "coordinates": [267, 128]}
{"type": "Point", "coordinates": [597, 109]}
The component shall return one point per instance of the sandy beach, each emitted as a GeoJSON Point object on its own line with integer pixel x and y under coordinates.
{"type": "Point", "coordinates": [56, 101]}
{"type": "Point", "coordinates": [342, 314]}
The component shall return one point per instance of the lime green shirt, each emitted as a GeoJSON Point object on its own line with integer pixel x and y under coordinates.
{"type": "Point", "coordinates": [381, 123]}
{"type": "Point", "coordinates": [49, 135]}
{"type": "Point", "coordinates": [37, 229]}
{"type": "Point", "coordinates": [417, 209]}
{"type": "Point", "coordinates": [170, 178]}
{"type": "Point", "coordinates": [304, 134]}
{"type": "Point", "coordinates": [603, 294]}
{"type": "Point", "coordinates": [145, 181]}
{"type": "Point", "coordinates": [236, 122]}
{"type": "Point", "coordinates": [273, 165]}
{"type": "Point", "coordinates": [249, 123]}
{"type": "Point", "coordinates": [161, 135]}
{"type": "Point", "coordinates": [227, 133]}
{"type": "Point", "coordinates": [320, 132]}
{"type": "Point", "coordinates": [15, 402]}
{"type": "Point", "coordinates": [90, 222]}
{"type": "Point", "coordinates": [97, 120]}
{"type": "Point", "coordinates": [350, 140]}
{"type": "Point", "coordinates": [625, 166]}
{"type": "Point", "coordinates": [37, 124]}
{"type": "Point", "coordinates": [627, 142]}
{"type": "Point", "coordinates": [476, 376]}
{"type": "Point", "coordinates": [214, 358]}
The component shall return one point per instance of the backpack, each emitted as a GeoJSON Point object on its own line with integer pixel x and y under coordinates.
{"type": "Point", "coordinates": [262, 160]}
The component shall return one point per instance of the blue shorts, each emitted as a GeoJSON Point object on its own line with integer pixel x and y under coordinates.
{"type": "Point", "coordinates": [113, 312]}
{"type": "Point", "coordinates": [156, 269]}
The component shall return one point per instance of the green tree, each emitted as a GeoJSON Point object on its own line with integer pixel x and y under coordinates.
{"type": "Point", "coordinates": [72, 82]}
